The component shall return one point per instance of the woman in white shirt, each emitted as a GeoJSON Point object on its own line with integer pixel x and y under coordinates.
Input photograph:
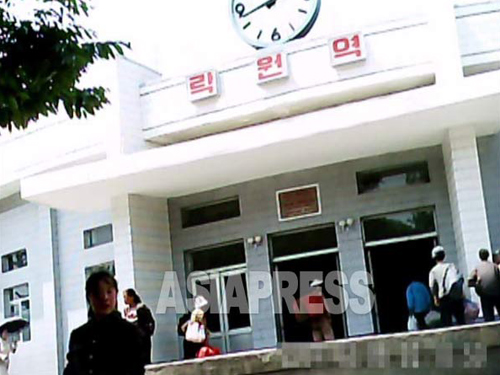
{"type": "Point", "coordinates": [141, 316]}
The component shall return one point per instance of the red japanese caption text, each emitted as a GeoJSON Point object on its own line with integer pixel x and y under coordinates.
{"type": "Point", "coordinates": [203, 85]}
{"type": "Point", "coordinates": [272, 67]}
{"type": "Point", "coordinates": [347, 48]}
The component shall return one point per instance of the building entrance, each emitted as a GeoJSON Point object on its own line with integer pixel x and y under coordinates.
{"type": "Point", "coordinates": [304, 251]}
{"type": "Point", "coordinates": [394, 267]}
{"type": "Point", "coordinates": [398, 251]}
{"type": "Point", "coordinates": [217, 274]}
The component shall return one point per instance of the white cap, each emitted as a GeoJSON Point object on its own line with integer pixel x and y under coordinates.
{"type": "Point", "coordinates": [437, 250]}
{"type": "Point", "coordinates": [316, 282]}
{"type": "Point", "coordinates": [199, 302]}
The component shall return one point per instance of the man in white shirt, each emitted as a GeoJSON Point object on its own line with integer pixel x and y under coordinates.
{"type": "Point", "coordinates": [447, 288]}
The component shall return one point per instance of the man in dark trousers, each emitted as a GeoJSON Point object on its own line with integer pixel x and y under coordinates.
{"type": "Point", "coordinates": [446, 285]}
{"type": "Point", "coordinates": [486, 278]}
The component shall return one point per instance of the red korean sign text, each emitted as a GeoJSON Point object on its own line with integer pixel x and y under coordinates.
{"type": "Point", "coordinates": [272, 67]}
{"type": "Point", "coordinates": [203, 85]}
{"type": "Point", "coordinates": [347, 49]}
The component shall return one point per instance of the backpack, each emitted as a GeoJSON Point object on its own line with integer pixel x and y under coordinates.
{"type": "Point", "coordinates": [195, 332]}
{"type": "Point", "coordinates": [453, 283]}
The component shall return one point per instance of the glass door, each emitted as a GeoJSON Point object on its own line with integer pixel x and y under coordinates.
{"type": "Point", "coordinates": [228, 319]}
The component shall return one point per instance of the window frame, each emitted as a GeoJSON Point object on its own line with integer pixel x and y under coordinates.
{"type": "Point", "coordinates": [184, 210]}
{"type": "Point", "coordinates": [90, 244]}
{"type": "Point", "coordinates": [401, 169]}
{"type": "Point", "coordinates": [391, 240]}
{"type": "Point", "coordinates": [5, 257]}
{"type": "Point", "coordinates": [19, 302]}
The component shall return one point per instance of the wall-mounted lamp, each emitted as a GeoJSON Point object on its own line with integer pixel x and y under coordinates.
{"type": "Point", "coordinates": [346, 223]}
{"type": "Point", "coordinates": [255, 240]}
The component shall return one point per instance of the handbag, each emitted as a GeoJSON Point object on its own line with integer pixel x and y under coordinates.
{"type": "Point", "coordinates": [433, 319]}
{"type": "Point", "coordinates": [195, 332]}
{"type": "Point", "coordinates": [208, 351]}
{"type": "Point", "coordinates": [471, 311]}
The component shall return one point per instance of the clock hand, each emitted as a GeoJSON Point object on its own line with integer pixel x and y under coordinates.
{"type": "Point", "coordinates": [268, 3]}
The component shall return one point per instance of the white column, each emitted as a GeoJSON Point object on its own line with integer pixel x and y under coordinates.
{"type": "Point", "coordinates": [124, 132]}
{"type": "Point", "coordinates": [143, 253]}
{"type": "Point", "coordinates": [122, 241]}
{"type": "Point", "coordinates": [466, 195]}
{"type": "Point", "coordinates": [444, 43]}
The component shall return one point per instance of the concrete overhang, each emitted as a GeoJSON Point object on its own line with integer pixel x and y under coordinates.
{"type": "Point", "coordinates": [9, 188]}
{"type": "Point", "coordinates": [381, 125]}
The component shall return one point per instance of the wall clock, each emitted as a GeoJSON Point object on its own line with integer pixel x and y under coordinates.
{"type": "Point", "coordinates": [263, 23]}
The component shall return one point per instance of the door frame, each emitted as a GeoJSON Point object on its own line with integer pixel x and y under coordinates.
{"type": "Point", "coordinates": [368, 248]}
{"type": "Point", "coordinates": [275, 266]}
{"type": "Point", "coordinates": [218, 275]}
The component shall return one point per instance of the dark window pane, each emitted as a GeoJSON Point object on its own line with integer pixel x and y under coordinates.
{"type": "Point", "coordinates": [400, 224]}
{"type": "Point", "coordinates": [97, 236]}
{"type": "Point", "coordinates": [410, 174]}
{"type": "Point", "coordinates": [217, 257]}
{"type": "Point", "coordinates": [108, 266]}
{"type": "Point", "coordinates": [238, 316]}
{"type": "Point", "coordinates": [25, 313]}
{"type": "Point", "coordinates": [14, 260]}
{"type": "Point", "coordinates": [209, 213]}
{"type": "Point", "coordinates": [21, 291]}
{"type": "Point", "coordinates": [304, 241]}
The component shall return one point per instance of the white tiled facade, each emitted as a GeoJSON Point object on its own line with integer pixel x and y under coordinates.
{"type": "Point", "coordinates": [429, 91]}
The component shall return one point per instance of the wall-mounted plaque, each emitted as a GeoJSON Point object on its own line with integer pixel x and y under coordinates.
{"type": "Point", "coordinates": [298, 202]}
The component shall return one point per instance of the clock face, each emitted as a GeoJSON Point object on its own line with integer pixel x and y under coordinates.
{"type": "Point", "coordinates": [264, 23]}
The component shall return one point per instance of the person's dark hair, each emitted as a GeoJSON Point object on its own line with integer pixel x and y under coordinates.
{"type": "Point", "coordinates": [440, 256]}
{"type": "Point", "coordinates": [92, 286]}
{"type": "Point", "coordinates": [484, 254]}
{"type": "Point", "coordinates": [132, 293]}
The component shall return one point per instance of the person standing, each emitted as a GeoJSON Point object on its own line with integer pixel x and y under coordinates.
{"type": "Point", "coordinates": [141, 316]}
{"type": "Point", "coordinates": [192, 348]}
{"type": "Point", "coordinates": [419, 302]}
{"type": "Point", "coordinates": [6, 347]}
{"type": "Point", "coordinates": [312, 307]}
{"type": "Point", "coordinates": [446, 286]}
{"type": "Point", "coordinates": [107, 344]}
{"type": "Point", "coordinates": [486, 277]}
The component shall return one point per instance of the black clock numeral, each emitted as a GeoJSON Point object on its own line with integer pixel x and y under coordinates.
{"type": "Point", "coordinates": [276, 35]}
{"type": "Point", "coordinates": [240, 9]}
{"type": "Point", "coordinates": [260, 33]}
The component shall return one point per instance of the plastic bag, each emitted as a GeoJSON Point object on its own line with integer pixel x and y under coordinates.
{"type": "Point", "coordinates": [195, 332]}
{"type": "Point", "coordinates": [433, 319]}
{"type": "Point", "coordinates": [471, 311]}
{"type": "Point", "coordinates": [412, 323]}
{"type": "Point", "coordinates": [208, 351]}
